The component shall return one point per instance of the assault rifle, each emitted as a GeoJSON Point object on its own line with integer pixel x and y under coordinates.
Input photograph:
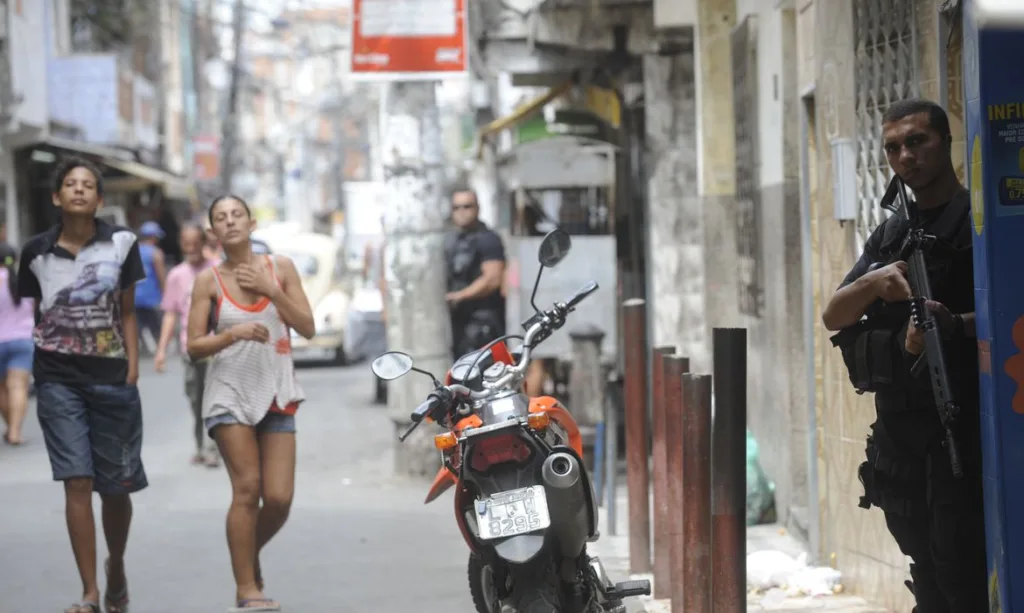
{"type": "Point", "coordinates": [912, 251]}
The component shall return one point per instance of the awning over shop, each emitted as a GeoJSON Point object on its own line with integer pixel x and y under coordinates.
{"type": "Point", "coordinates": [138, 176]}
{"type": "Point", "coordinates": [522, 112]}
{"type": "Point", "coordinates": [141, 176]}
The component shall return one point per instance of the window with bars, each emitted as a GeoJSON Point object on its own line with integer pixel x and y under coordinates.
{"type": "Point", "coordinates": [885, 71]}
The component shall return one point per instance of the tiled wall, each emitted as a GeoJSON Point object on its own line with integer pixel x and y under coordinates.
{"type": "Point", "coordinates": [863, 550]}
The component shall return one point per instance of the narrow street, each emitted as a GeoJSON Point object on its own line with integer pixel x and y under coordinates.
{"type": "Point", "coordinates": [358, 539]}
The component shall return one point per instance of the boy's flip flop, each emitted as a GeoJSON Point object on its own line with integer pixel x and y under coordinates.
{"type": "Point", "coordinates": [79, 607]}
{"type": "Point", "coordinates": [115, 603]}
{"type": "Point", "coordinates": [255, 604]}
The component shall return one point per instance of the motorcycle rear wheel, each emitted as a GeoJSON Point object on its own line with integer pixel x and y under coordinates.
{"type": "Point", "coordinates": [534, 587]}
{"type": "Point", "coordinates": [481, 586]}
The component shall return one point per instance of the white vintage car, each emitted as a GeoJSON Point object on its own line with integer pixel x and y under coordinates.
{"type": "Point", "coordinates": [320, 263]}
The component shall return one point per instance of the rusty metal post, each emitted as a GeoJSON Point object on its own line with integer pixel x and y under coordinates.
{"type": "Point", "coordinates": [634, 324]}
{"type": "Point", "coordinates": [662, 561]}
{"type": "Point", "coordinates": [696, 443]}
{"type": "Point", "coordinates": [675, 368]}
{"type": "Point", "coordinates": [729, 480]}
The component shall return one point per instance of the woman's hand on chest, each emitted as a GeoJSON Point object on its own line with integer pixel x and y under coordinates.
{"type": "Point", "coordinates": [256, 279]}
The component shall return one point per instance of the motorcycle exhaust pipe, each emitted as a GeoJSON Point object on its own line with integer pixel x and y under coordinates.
{"type": "Point", "coordinates": [567, 502]}
{"type": "Point", "coordinates": [560, 471]}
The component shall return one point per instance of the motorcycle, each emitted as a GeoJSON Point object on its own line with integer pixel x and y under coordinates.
{"type": "Point", "coordinates": [524, 501]}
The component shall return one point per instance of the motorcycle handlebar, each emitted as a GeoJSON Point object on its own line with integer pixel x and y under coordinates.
{"type": "Point", "coordinates": [583, 292]}
{"type": "Point", "coordinates": [428, 407]}
{"type": "Point", "coordinates": [546, 323]}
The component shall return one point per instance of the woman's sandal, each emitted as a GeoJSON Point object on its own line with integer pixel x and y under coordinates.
{"type": "Point", "coordinates": [255, 605]}
{"type": "Point", "coordinates": [115, 603]}
{"type": "Point", "coordinates": [83, 607]}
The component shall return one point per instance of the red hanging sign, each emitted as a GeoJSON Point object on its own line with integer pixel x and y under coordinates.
{"type": "Point", "coordinates": [405, 40]}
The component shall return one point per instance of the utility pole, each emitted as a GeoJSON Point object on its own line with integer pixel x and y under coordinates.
{"type": "Point", "coordinates": [339, 153]}
{"type": "Point", "coordinates": [414, 225]}
{"type": "Point", "coordinates": [231, 120]}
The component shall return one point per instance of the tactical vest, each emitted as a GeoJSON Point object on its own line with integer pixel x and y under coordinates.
{"type": "Point", "coordinates": [872, 348]}
{"type": "Point", "coordinates": [463, 261]}
{"type": "Point", "coordinates": [460, 260]}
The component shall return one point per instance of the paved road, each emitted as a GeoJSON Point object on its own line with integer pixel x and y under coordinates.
{"type": "Point", "coordinates": [357, 540]}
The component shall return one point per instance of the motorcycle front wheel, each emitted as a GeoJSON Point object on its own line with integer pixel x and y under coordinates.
{"type": "Point", "coordinates": [534, 587]}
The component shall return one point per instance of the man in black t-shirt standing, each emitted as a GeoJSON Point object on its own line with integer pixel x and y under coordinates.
{"type": "Point", "coordinates": [475, 259]}
{"type": "Point", "coordinates": [82, 273]}
{"type": "Point", "coordinates": [935, 518]}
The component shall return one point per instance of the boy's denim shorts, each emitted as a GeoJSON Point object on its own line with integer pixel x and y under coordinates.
{"type": "Point", "coordinates": [95, 431]}
{"type": "Point", "coordinates": [272, 422]}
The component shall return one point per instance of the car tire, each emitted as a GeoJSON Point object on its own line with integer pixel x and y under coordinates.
{"type": "Point", "coordinates": [340, 359]}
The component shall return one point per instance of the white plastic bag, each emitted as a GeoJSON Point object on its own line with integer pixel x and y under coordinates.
{"type": "Point", "coordinates": [771, 569]}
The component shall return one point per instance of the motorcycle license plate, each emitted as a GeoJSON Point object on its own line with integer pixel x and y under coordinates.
{"type": "Point", "coordinates": [513, 512]}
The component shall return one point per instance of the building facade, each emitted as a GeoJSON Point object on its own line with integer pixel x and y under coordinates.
{"type": "Point", "coordinates": [761, 168]}
{"type": "Point", "coordinates": [80, 86]}
{"type": "Point", "coordinates": [785, 145]}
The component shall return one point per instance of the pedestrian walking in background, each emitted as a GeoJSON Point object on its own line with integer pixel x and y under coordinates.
{"type": "Point", "coordinates": [211, 246]}
{"type": "Point", "coordinates": [17, 318]}
{"type": "Point", "coordinates": [83, 273]}
{"type": "Point", "coordinates": [251, 393]}
{"type": "Point", "coordinates": [149, 291]}
{"type": "Point", "coordinates": [175, 306]}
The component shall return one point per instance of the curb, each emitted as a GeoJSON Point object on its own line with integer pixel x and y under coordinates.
{"type": "Point", "coordinates": [837, 604]}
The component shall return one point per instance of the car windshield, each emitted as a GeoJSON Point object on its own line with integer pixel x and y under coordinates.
{"type": "Point", "coordinates": [306, 264]}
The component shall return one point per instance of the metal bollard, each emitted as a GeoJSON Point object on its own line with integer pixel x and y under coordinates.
{"type": "Point", "coordinates": [696, 567]}
{"type": "Point", "coordinates": [599, 460]}
{"type": "Point", "coordinates": [611, 464]}
{"type": "Point", "coordinates": [662, 561]}
{"type": "Point", "coordinates": [675, 368]}
{"type": "Point", "coordinates": [637, 471]}
{"type": "Point", "coordinates": [729, 477]}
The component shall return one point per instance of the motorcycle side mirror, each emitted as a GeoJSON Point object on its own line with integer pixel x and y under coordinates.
{"type": "Point", "coordinates": [391, 365]}
{"type": "Point", "coordinates": [394, 364]}
{"type": "Point", "coordinates": [553, 249]}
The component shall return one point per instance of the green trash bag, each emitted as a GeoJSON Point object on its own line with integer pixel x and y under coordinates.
{"type": "Point", "coordinates": [760, 490]}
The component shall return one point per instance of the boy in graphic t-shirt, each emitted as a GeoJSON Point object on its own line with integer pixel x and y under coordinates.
{"type": "Point", "coordinates": [82, 273]}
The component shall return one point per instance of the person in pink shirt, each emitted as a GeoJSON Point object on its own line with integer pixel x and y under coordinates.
{"type": "Point", "coordinates": [175, 305]}
{"type": "Point", "coordinates": [17, 320]}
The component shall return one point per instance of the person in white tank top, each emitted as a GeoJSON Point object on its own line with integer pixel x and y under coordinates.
{"type": "Point", "coordinates": [251, 394]}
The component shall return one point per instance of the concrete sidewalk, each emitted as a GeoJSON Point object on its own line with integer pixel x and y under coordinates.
{"type": "Point", "coordinates": [614, 553]}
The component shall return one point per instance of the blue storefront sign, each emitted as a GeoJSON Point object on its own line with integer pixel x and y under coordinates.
{"type": "Point", "coordinates": [994, 84]}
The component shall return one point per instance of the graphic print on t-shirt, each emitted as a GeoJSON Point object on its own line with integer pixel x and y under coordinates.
{"type": "Point", "coordinates": [80, 311]}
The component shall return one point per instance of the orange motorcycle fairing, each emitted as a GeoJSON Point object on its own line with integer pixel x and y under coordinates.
{"type": "Point", "coordinates": [500, 353]}
{"type": "Point", "coordinates": [561, 416]}
{"type": "Point", "coordinates": [444, 480]}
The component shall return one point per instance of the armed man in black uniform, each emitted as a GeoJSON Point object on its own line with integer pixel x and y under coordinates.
{"type": "Point", "coordinates": [935, 517]}
{"type": "Point", "coordinates": [476, 270]}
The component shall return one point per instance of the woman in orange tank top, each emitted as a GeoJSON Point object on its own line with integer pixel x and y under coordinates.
{"type": "Point", "coordinates": [251, 394]}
